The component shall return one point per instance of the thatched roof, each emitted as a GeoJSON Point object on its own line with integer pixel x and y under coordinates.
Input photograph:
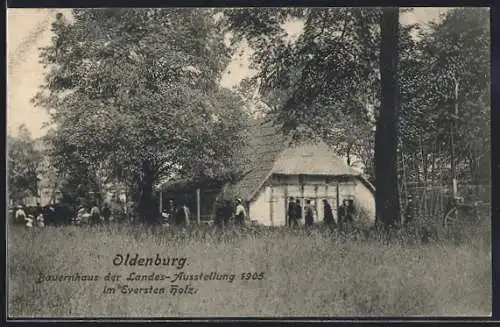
{"type": "Point", "coordinates": [264, 145]}
{"type": "Point", "coordinates": [312, 159]}
{"type": "Point", "coordinates": [270, 152]}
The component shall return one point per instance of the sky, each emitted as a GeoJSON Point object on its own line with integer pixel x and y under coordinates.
{"type": "Point", "coordinates": [29, 29]}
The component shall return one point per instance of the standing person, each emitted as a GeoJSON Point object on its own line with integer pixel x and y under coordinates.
{"type": "Point", "coordinates": [49, 214]}
{"type": "Point", "coordinates": [106, 212]}
{"type": "Point", "coordinates": [240, 214]}
{"type": "Point", "coordinates": [38, 209]}
{"type": "Point", "coordinates": [63, 213]}
{"type": "Point", "coordinates": [309, 213]}
{"type": "Point", "coordinates": [227, 212]}
{"type": "Point", "coordinates": [58, 219]}
{"type": "Point", "coordinates": [20, 215]}
{"type": "Point", "coordinates": [351, 211]}
{"type": "Point", "coordinates": [219, 214]}
{"type": "Point", "coordinates": [298, 212]}
{"type": "Point", "coordinates": [40, 221]}
{"type": "Point", "coordinates": [291, 212]}
{"type": "Point", "coordinates": [346, 214]}
{"type": "Point", "coordinates": [28, 221]}
{"type": "Point", "coordinates": [79, 216]}
{"type": "Point", "coordinates": [328, 214]}
{"type": "Point", "coordinates": [165, 218]}
{"type": "Point", "coordinates": [182, 216]}
{"type": "Point", "coordinates": [169, 213]}
{"type": "Point", "coordinates": [95, 215]}
{"type": "Point", "coordinates": [342, 214]}
{"type": "Point", "coordinates": [223, 213]}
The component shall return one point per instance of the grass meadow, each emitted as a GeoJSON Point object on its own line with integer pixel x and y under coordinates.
{"type": "Point", "coordinates": [307, 273]}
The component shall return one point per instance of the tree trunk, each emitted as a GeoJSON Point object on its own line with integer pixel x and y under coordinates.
{"type": "Point", "coordinates": [146, 205]}
{"type": "Point", "coordinates": [386, 174]}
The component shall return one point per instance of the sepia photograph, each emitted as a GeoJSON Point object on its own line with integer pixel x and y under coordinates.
{"type": "Point", "coordinates": [280, 162]}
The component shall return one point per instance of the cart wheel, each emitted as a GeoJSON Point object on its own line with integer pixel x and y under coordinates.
{"type": "Point", "coordinates": [451, 220]}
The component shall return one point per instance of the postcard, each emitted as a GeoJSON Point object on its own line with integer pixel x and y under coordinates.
{"type": "Point", "coordinates": [248, 162]}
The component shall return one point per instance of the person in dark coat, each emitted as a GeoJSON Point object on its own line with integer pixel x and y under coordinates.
{"type": "Point", "coordinates": [219, 214]}
{"type": "Point", "coordinates": [351, 211]}
{"type": "Point", "coordinates": [223, 213]}
{"type": "Point", "coordinates": [291, 212]}
{"type": "Point", "coordinates": [106, 212]}
{"type": "Point", "coordinates": [328, 214]}
{"type": "Point", "coordinates": [182, 215]}
{"type": "Point", "coordinates": [38, 209]}
{"type": "Point", "coordinates": [227, 212]}
{"type": "Point", "coordinates": [298, 211]}
{"type": "Point", "coordinates": [48, 213]}
{"type": "Point", "coordinates": [63, 213]}
{"type": "Point", "coordinates": [346, 212]}
{"type": "Point", "coordinates": [343, 212]}
{"type": "Point", "coordinates": [309, 214]}
{"type": "Point", "coordinates": [95, 215]}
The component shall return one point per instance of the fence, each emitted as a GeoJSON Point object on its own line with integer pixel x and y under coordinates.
{"type": "Point", "coordinates": [431, 202]}
{"type": "Point", "coordinates": [200, 202]}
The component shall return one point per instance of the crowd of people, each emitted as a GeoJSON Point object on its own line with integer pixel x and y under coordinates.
{"type": "Point", "coordinates": [226, 213]}
{"type": "Point", "coordinates": [176, 215]}
{"type": "Point", "coordinates": [345, 214]}
{"type": "Point", "coordinates": [233, 213]}
{"type": "Point", "coordinates": [61, 214]}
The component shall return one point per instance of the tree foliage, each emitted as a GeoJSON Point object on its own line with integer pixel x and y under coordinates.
{"type": "Point", "coordinates": [23, 164]}
{"type": "Point", "coordinates": [326, 83]}
{"type": "Point", "coordinates": [135, 93]}
{"type": "Point", "coordinates": [454, 52]}
{"type": "Point", "coordinates": [320, 75]}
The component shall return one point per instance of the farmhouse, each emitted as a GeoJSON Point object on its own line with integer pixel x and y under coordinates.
{"type": "Point", "coordinates": [277, 169]}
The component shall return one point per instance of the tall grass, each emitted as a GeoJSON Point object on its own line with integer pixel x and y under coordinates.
{"type": "Point", "coordinates": [307, 273]}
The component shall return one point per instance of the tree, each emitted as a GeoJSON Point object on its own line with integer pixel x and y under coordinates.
{"type": "Point", "coordinates": [459, 47]}
{"type": "Point", "coordinates": [135, 93]}
{"type": "Point", "coordinates": [326, 83]}
{"type": "Point", "coordinates": [451, 54]}
{"type": "Point", "coordinates": [24, 159]}
{"type": "Point", "coordinates": [386, 137]}
{"type": "Point", "coordinates": [75, 177]}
